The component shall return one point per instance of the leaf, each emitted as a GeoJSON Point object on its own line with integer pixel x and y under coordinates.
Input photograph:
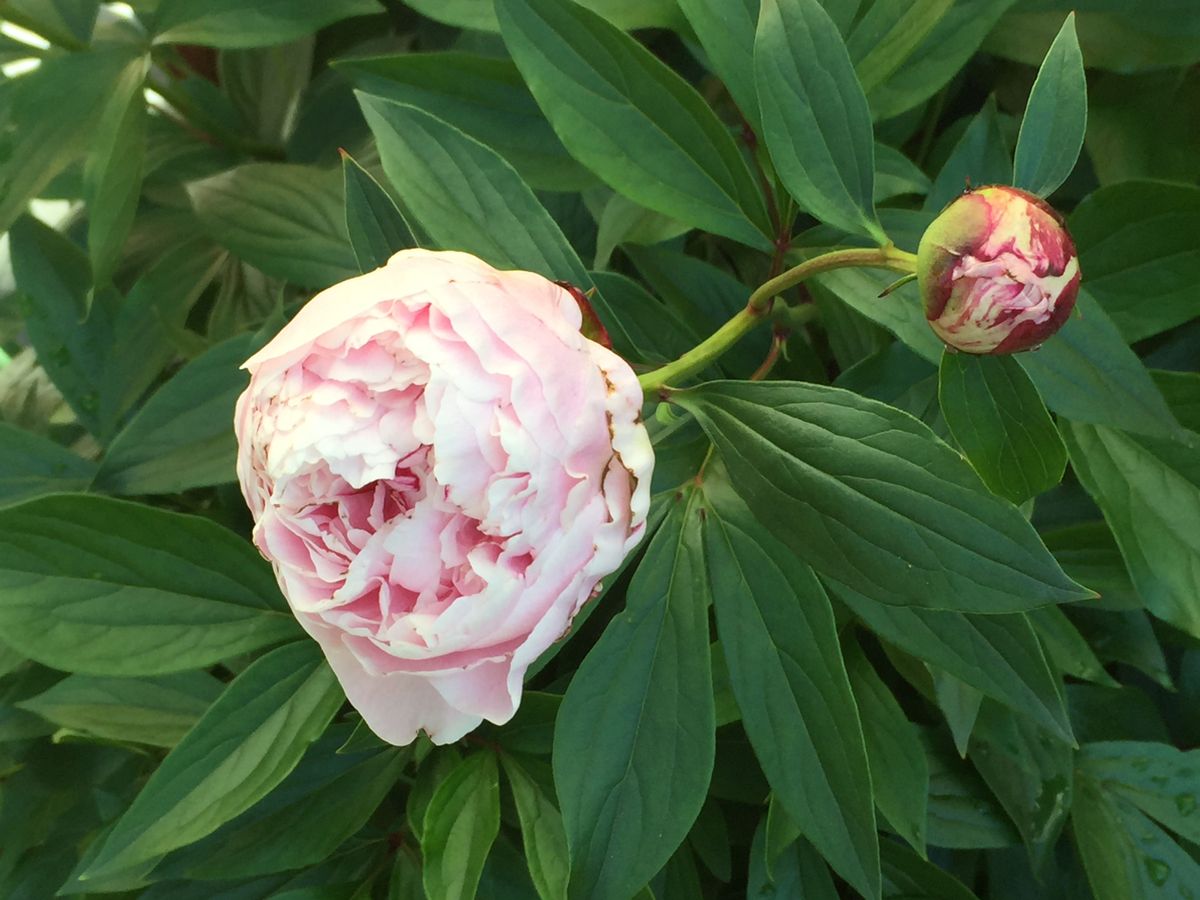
{"type": "Point", "coordinates": [182, 438]}
{"type": "Point", "coordinates": [938, 57]}
{"type": "Point", "coordinates": [1087, 373]}
{"type": "Point", "coordinates": [997, 655]}
{"type": "Point", "coordinates": [50, 116]}
{"type": "Point", "coordinates": [285, 219]}
{"type": "Point", "coordinates": [461, 823]}
{"type": "Point", "coordinates": [1065, 647]}
{"type": "Point", "coordinates": [53, 275]}
{"type": "Point", "coordinates": [155, 710]}
{"type": "Point", "coordinates": [376, 227]}
{"type": "Point", "coordinates": [247, 742]}
{"type": "Point", "coordinates": [908, 875]}
{"type": "Point", "coordinates": [780, 641]}
{"type": "Point", "coordinates": [726, 32]}
{"type": "Point", "coordinates": [896, 175]}
{"type": "Point", "coordinates": [886, 35]}
{"type": "Point", "coordinates": [231, 23]}
{"type": "Point", "coordinates": [483, 97]}
{"type": "Point", "coordinates": [266, 85]}
{"type": "Point", "coordinates": [1125, 854]}
{"type": "Point", "coordinates": [980, 157]}
{"type": "Point", "coordinates": [107, 587]}
{"type": "Point", "coordinates": [325, 800]}
{"type": "Point", "coordinates": [478, 14]}
{"type": "Point", "coordinates": [1147, 489]}
{"type": "Point", "coordinates": [816, 123]}
{"type": "Point", "coordinates": [113, 171]}
{"type": "Point", "coordinates": [867, 495]}
{"type": "Point", "coordinates": [1139, 243]}
{"type": "Point", "coordinates": [68, 23]}
{"type": "Point", "coordinates": [542, 832]}
{"type": "Point", "coordinates": [634, 744]}
{"type": "Point", "coordinates": [962, 811]}
{"type": "Point", "coordinates": [997, 417]}
{"type": "Point", "coordinates": [1030, 775]}
{"type": "Point", "coordinates": [1157, 778]}
{"type": "Point", "coordinates": [792, 870]}
{"type": "Point", "coordinates": [959, 703]}
{"type": "Point", "coordinates": [899, 770]}
{"type": "Point", "coordinates": [899, 312]}
{"type": "Point", "coordinates": [1055, 117]}
{"type": "Point", "coordinates": [632, 120]}
{"type": "Point", "coordinates": [1181, 390]}
{"type": "Point", "coordinates": [31, 466]}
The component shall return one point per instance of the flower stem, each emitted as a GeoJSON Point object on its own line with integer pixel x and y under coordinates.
{"type": "Point", "coordinates": [759, 305]}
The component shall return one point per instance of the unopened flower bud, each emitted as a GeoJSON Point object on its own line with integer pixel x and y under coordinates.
{"type": "Point", "coordinates": [998, 272]}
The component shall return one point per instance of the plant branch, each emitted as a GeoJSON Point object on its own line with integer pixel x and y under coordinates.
{"type": "Point", "coordinates": [759, 305]}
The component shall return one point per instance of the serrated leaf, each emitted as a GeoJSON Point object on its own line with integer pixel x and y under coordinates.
{"type": "Point", "coordinates": [107, 587]}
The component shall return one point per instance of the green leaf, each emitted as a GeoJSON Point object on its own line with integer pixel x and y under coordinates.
{"type": "Point", "coordinates": [1055, 117]}
{"type": "Point", "coordinates": [232, 23]}
{"type": "Point", "coordinates": [461, 823]}
{"type": "Point", "coordinates": [324, 801]}
{"type": "Point", "coordinates": [998, 655]}
{"type": "Point", "coordinates": [1030, 775]}
{"type": "Point", "coordinates": [286, 219]}
{"type": "Point", "coordinates": [1149, 491]}
{"type": "Point", "coordinates": [938, 57]}
{"type": "Point", "coordinates": [1065, 647]}
{"type": "Point", "coordinates": [780, 641]}
{"type": "Point", "coordinates": [376, 227]}
{"type": "Point", "coordinates": [266, 85]}
{"type": "Point", "coordinates": [1181, 390]}
{"type": "Point", "coordinates": [997, 417]}
{"type": "Point", "coordinates": [899, 312]}
{"type": "Point", "coordinates": [980, 157]}
{"type": "Point", "coordinates": [1125, 854]}
{"type": "Point", "coordinates": [962, 811]}
{"type": "Point", "coordinates": [478, 14]}
{"type": "Point", "coordinates": [631, 119]}
{"type": "Point", "coordinates": [1139, 245]}
{"type": "Point", "coordinates": [908, 875]}
{"type": "Point", "coordinates": [886, 35]}
{"type": "Point", "coordinates": [896, 175]}
{"type": "Point", "coordinates": [634, 744]}
{"type": "Point", "coordinates": [899, 770]}
{"type": "Point", "coordinates": [182, 437]}
{"type": "Point", "coordinates": [53, 275]}
{"type": "Point", "coordinates": [50, 116]}
{"type": "Point", "coordinates": [247, 742]}
{"type": "Point", "coordinates": [483, 97]}
{"type": "Point", "coordinates": [107, 587]}
{"type": "Point", "coordinates": [1087, 373]}
{"type": "Point", "coordinates": [158, 710]}
{"type": "Point", "coordinates": [541, 832]}
{"type": "Point", "coordinates": [726, 32]}
{"type": "Point", "coordinates": [31, 466]}
{"type": "Point", "coordinates": [867, 495]}
{"type": "Point", "coordinates": [959, 703]}
{"type": "Point", "coordinates": [795, 871]}
{"type": "Point", "coordinates": [68, 23]}
{"type": "Point", "coordinates": [816, 123]}
{"type": "Point", "coordinates": [113, 172]}
{"type": "Point", "coordinates": [1157, 778]}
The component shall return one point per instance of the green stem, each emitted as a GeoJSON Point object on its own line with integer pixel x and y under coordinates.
{"type": "Point", "coordinates": [759, 305]}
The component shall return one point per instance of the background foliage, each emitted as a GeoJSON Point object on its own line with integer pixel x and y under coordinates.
{"type": "Point", "coordinates": [862, 652]}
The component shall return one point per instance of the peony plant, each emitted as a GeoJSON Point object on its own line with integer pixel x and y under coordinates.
{"type": "Point", "coordinates": [591, 450]}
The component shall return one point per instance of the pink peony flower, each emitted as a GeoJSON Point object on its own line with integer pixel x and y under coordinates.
{"type": "Point", "coordinates": [998, 272]}
{"type": "Point", "coordinates": [441, 469]}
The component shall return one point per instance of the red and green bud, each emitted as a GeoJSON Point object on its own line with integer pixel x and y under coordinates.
{"type": "Point", "coordinates": [998, 272]}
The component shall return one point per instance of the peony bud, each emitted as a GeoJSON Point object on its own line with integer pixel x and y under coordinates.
{"type": "Point", "coordinates": [997, 271]}
{"type": "Point", "coordinates": [441, 469]}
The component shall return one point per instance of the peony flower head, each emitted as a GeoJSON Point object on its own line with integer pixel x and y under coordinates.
{"type": "Point", "coordinates": [998, 272]}
{"type": "Point", "coordinates": [441, 469]}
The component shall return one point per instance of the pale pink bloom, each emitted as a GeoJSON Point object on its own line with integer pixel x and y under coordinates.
{"type": "Point", "coordinates": [441, 469]}
{"type": "Point", "coordinates": [998, 272]}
